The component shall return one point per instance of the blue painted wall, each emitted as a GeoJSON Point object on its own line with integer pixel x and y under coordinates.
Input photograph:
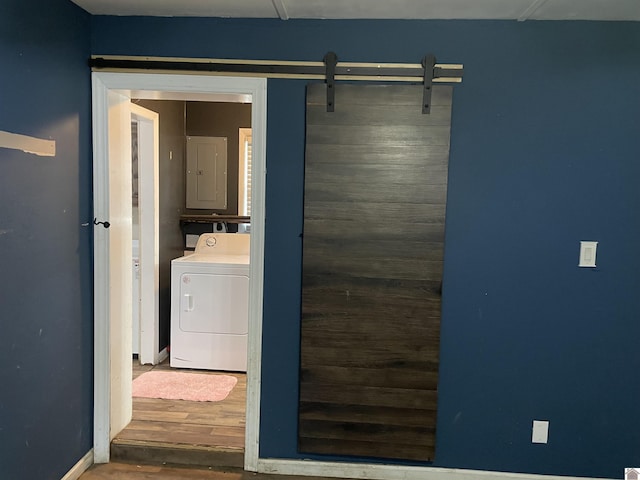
{"type": "Point", "coordinates": [545, 152]}
{"type": "Point", "coordinates": [45, 255]}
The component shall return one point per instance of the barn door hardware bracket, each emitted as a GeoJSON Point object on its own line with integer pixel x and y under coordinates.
{"type": "Point", "coordinates": [428, 63]}
{"type": "Point", "coordinates": [330, 62]}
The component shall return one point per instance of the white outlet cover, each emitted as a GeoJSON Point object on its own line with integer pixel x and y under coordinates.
{"type": "Point", "coordinates": [540, 431]}
{"type": "Point", "coordinates": [588, 254]}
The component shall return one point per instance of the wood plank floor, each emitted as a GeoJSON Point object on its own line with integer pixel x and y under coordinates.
{"type": "Point", "coordinates": [184, 426]}
{"type": "Point", "coordinates": [121, 471]}
{"type": "Point", "coordinates": [168, 424]}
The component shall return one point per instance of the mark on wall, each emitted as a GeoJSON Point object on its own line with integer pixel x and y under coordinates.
{"type": "Point", "coordinates": [37, 146]}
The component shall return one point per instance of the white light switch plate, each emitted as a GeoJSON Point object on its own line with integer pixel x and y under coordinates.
{"type": "Point", "coordinates": [588, 254]}
{"type": "Point", "coordinates": [540, 433]}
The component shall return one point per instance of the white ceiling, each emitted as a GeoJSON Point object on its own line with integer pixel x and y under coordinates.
{"type": "Point", "coordinates": [374, 9]}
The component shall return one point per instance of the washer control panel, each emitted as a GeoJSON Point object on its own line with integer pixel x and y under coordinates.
{"type": "Point", "coordinates": [223, 243]}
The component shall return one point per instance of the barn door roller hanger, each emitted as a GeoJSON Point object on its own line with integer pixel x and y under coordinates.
{"type": "Point", "coordinates": [330, 70]}
{"type": "Point", "coordinates": [427, 72]}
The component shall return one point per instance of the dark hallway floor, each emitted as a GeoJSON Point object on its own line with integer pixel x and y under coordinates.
{"type": "Point", "coordinates": [123, 471]}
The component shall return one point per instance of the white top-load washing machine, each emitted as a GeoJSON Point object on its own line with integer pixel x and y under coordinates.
{"type": "Point", "coordinates": [210, 304]}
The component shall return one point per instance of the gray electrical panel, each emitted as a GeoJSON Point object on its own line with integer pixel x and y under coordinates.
{"type": "Point", "coordinates": [207, 173]}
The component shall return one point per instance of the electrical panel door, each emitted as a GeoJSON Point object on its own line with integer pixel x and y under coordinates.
{"type": "Point", "coordinates": [207, 173]}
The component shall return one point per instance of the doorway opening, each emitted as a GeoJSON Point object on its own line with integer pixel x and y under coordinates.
{"type": "Point", "coordinates": [112, 93]}
{"type": "Point", "coordinates": [173, 423]}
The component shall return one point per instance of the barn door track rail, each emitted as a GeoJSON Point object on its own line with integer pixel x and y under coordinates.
{"type": "Point", "coordinates": [330, 70]}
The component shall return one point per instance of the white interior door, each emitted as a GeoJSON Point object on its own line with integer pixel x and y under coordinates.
{"type": "Point", "coordinates": [112, 266]}
{"type": "Point", "coordinates": [148, 220]}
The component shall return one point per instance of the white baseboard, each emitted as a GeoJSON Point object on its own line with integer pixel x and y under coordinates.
{"type": "Point", "coordinates": [79, 468]}
{"type": "Point", "coordinates": [163, 355]}
{"type": "Point", "coordinates": [390, 472]}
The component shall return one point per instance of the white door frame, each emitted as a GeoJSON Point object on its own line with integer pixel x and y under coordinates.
{"type": "Point", "coordinates": [149, 233]}
{"type": "Point", "coordinates": [108, 91]}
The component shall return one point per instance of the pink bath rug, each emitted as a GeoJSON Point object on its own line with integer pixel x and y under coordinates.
{"type": "Point", "coordinates": [196, 387]}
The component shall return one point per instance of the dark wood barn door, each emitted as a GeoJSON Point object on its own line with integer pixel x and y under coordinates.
{"type": "Point", "coordinates": [374, 210]}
